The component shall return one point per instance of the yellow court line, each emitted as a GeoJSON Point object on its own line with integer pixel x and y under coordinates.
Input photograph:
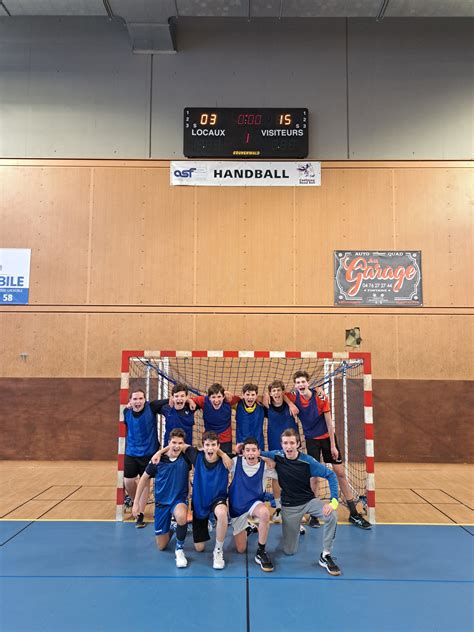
{"type": "Point", "coordinates": [401, 524]}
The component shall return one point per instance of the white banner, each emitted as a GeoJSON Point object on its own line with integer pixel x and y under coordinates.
{"type": "Point", "coordinates": [245, 174]}
{"type": "Point", "coordinates": [14, 275]}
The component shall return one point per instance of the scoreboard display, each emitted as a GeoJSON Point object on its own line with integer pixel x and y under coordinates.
{"type": "Point", "coordinates": [245, 133]}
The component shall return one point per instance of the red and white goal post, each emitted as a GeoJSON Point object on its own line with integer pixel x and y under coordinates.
{"type": "Point", "coordinates": [345, 376]}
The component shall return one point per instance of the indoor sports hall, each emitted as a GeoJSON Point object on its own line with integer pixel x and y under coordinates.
{"type": "Point", "coordinates": [220, 198]}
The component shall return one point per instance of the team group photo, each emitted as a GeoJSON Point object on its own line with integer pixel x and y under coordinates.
{"type": "Point", "coordinates": [268, 453]}
{"type": "Point", "coordinates": [236, 316]}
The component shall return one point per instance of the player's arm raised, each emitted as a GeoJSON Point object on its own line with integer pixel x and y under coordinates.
{"type": "Point", "coordinates": [225, 459]}
{"type": "Point", "coordinates": [155, 459]}
{"type": "Point", "coordinates": [291, 405]}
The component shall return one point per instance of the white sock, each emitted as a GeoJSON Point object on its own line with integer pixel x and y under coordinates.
{"type": "Point", "coordinates": [278, 503]}
{"type": "Point", "coordinates": [219, 544]}
{"type": "Point", "coordinates": [326, 553]}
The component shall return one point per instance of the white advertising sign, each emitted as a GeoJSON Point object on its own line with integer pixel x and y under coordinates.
{"type": "Point", "coordinates": [14, 275]}
{"type": "Point", "coordinates": [245, 174]}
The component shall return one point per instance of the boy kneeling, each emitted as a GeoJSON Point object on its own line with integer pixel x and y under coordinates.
{"type": "Point", "coordinates": [246, 500]}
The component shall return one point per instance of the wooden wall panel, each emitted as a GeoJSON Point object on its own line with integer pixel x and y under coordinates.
{"type": "Point", "coordinates": [67, 345]}
{"type": "Point", "coordinates": [219, 252]}
{"type": "Point", "coordinates": [351, 210]}
{"type": "Point", "coordinates": [112, 240]}
{"type": "Point", "coordinates": [433, 212]}
{"type": "Point", "coordinates": [122, 260]}
{"type": "Point", "coordinates": [47, 209]}
{"type": "Point", "coordinates": [142, 238]}
{"type": "Point", "coordinates": [244, 246]}
{"type": "Point", "coordinates": [247, 331]}
{"type": "Point", "coordinates": [321, 332]}
{"type": "Point", "coordinates": [109, 334]}
{"type": "Point", "coordinates": [54, 344]}
{"type": "Point", "coordinates": [436, 347]}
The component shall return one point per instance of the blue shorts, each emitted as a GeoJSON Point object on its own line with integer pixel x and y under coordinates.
{"type": "Point", "coordinates": [163, 515]}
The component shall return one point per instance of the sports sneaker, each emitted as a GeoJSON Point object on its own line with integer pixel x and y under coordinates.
{"type": "Point", "coordinates": [251, 528]}
{"type": "Point", "coordinates": [140, 523]}
{"type": "Point", "coordinates": [127, 502]}
{"type": "Point", "coordinates": [265, 562]}
{"type": "Point", "coordinates": [218, 562]}
{"type": "Point", "coordinates": [302, 530]}
{"type": "Point", "coordinates": [314, 522]}
{"type": "Point", "coordinates": [276, 518]}
{"type": "Point", "coordinates": [360, 522]}
{"type": "Point", "coordinates": [181, 561]}
{"type": "Point", "coordinates": [328, 563]}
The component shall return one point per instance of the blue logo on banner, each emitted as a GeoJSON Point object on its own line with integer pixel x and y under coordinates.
{"type": "Point", "coordinates": [184, 173]}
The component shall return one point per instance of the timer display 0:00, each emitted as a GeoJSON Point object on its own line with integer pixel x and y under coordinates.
{"type": "Point", "coordinates": [243, 119]}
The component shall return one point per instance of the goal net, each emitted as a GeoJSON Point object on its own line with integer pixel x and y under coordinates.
{"type": "Point", "coordinates": [345, 377]}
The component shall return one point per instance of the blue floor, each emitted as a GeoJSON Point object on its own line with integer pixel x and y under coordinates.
{"type": "Point", "coordinates": [100, 576]}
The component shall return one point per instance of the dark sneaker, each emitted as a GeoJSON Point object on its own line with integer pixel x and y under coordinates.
{"type": "Point", "coordinates": [360, 522]}
{"type": "Point", "coordinates": [251, 528]}
{"type": "Point", "coordinates": [127, 502]}
{"type": "Point", "coordinates": [264, 561]}
{"type": "Point", "coordinates": [328, 563]}
{"type": "Point", "coordinates": [314, 523]}
{"type": "Point", "coordinates": [140, 523]}
{"type": "Point", "coordinates": [302, 530]}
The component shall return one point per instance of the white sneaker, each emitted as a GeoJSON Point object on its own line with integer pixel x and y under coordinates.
{"type": "Point", "coordinates": [218, 559]}
{"type": "Point", "coordinates": [181, 561]}
{"type": "Point", "coordinates": [276, 518]}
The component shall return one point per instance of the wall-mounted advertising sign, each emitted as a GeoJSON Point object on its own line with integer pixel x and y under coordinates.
{"type": "Point", "coordinates": [389, 278]}
{"type": "Point", "coordinates": [14, 275]}
{"type": "Point", "coordinates": [245, 174]}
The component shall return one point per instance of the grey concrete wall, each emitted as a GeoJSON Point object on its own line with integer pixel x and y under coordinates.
{"type": "Point", "coordinates": [410, 89]}
{"type": "Point", "coordinates": [266, 63]}
{"type": "Point", "coordinates": [71, 87]}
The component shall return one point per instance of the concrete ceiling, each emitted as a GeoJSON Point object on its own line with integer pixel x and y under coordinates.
{"type": "Point", "coordinates": [152, 30]}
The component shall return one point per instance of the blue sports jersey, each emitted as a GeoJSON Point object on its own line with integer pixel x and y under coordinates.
{"type": "Point", "coordinates": [314, 423]}
{"type": "Point", "coordinates": [279, 419]}
{"type": "Point", "coordinates": [183, 418]}
{"type": "Point", "coordinates": [294, 476]}
{"type": "Point", "coordinates": [216, 420]}
{"type": "Point", "coordinates": [209, 485]}
{"type": "Point", "coordinates": [171, 479]}
{"type": "Point", "coordinates": [245, 490]}
{"type": "Point", "coordinates": [249, 424]}
{"type": "Point", "coordinates": [142, 434]}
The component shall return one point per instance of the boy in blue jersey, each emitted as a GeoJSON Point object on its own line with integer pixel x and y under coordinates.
{"type": "Point", "coordinates": [279, 418]}
{"type": "Point", "coordinates": [210, 482]}
{"type": "Point", "coordinates": [170, 470]}
{"type": "Point", "coordinates": [297, 475]}
{"type": "Point", "coordinates": [141, 443]}
{"type": "Point", "coordinates": [178, 411]}
{"type": "Point", "coordinates": [246, 499]}
{"type": "Point", "coordinates": [249, 416]}
{"type": "Point", "coordinates": [217, 414]}
{"type": "Point", "coordinates": [315, 417]}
